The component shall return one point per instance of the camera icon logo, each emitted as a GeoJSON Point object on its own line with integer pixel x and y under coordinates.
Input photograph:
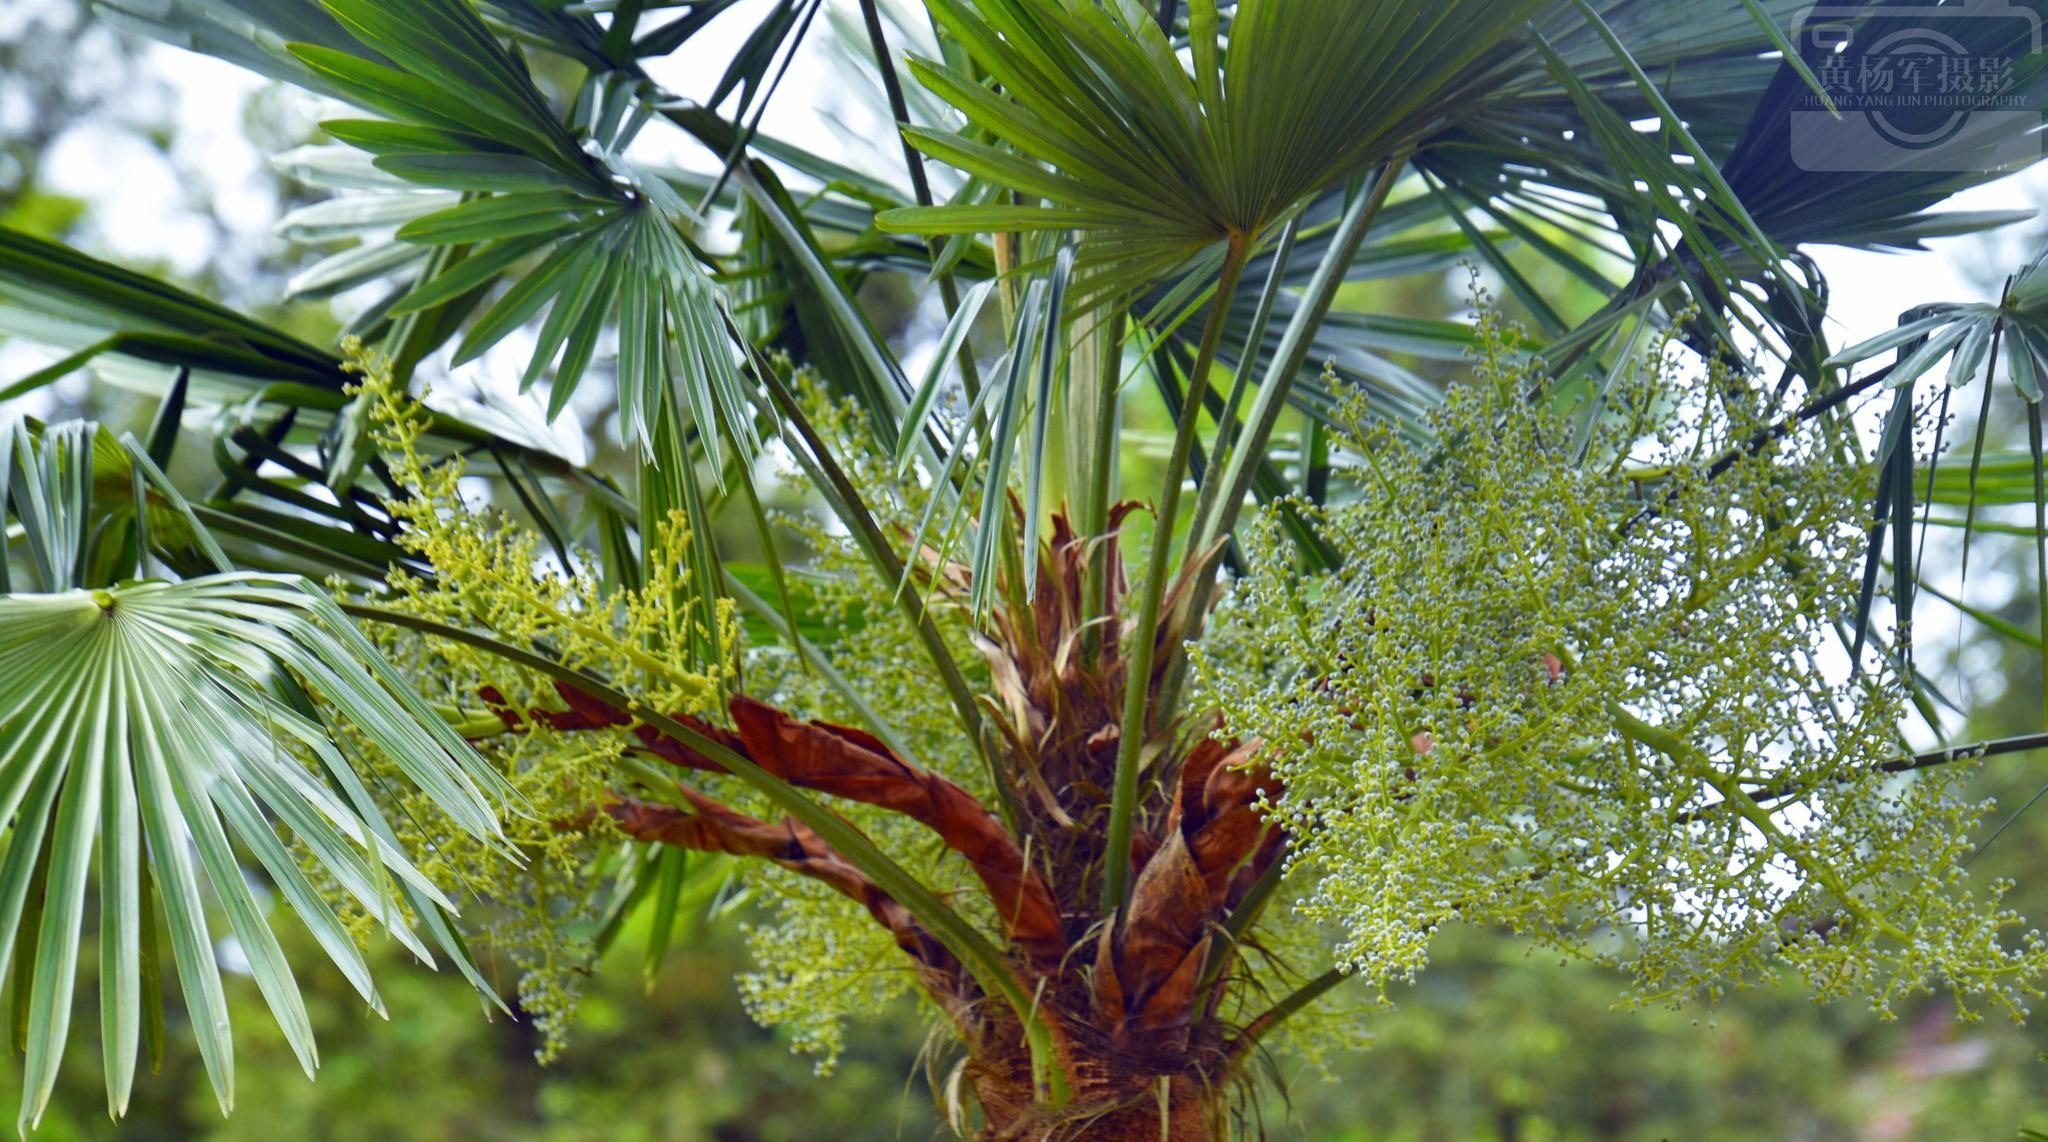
{"type": "Point", "coordinates": [1931, 87]}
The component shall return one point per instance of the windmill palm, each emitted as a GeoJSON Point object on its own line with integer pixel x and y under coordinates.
{"type": "Point", "coordinates": [1544, 653]}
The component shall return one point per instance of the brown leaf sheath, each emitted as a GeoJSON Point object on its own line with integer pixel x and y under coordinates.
{"type": "Point", "coordinates": [712, 827]}
{"type": "Point", "coordinates": [841, 761]}
{"type": "Point", "coordinates": [846, 762]}
{"type": "Point", "coordinates": [1214, 834]}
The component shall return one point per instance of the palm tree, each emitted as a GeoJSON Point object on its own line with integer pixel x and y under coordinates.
{"type": "Point", "coordinates": [1549, 649]}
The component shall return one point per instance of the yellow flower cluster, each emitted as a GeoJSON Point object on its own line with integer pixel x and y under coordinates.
{"type": "Point", "coordinates": [487, 573]}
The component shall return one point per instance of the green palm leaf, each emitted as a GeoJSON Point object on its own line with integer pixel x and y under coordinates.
{"type": "Point", "coordinates": [466, 115]}
{"type": "Point", "coordinates": [149, 716]}
{"type": "Point", "coordinates": [1965, 334]}
{"type": "Point", "coordinates": [1107, 131]}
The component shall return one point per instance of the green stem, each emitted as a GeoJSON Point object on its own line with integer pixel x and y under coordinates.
{"type": "Point", "coordinates": [1294, 347]}
{"type": "Point", "coordinates": [1099, 488]}
{"type": "Point", "coordinates": [981, 957]}
{"type": "Point", "coordinates": [1235, 481]}
{"type": "Point", "coordinates": [920, 182]}
{"type": "Point", "coordinates": [1226, 426]}
{"type": "Point", "coordinates": [218, 520]}
{"type": "Point", "coordinates": [1123, 811]}
{"type": "Point", "coordinates": [2040, 518]}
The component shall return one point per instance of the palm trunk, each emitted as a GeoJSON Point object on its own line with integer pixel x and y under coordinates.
{"type": "Point", "coordinates": [1130, 1000]}
{"type": "Point", "coordinates": [1118, 1096]}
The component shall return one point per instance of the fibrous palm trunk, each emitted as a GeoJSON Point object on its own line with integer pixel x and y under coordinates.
{"type": "Point", "coordinates": [1115, 1099]}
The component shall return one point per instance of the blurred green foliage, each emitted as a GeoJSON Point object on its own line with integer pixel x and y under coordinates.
{"type": "Point", "coordinates": [678, 1061]}
{"type": "Point", "coordinates": [1491, 1046]}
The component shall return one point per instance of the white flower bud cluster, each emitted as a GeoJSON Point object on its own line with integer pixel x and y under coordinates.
{"type": "Point", "coordinates": [1592, 690]}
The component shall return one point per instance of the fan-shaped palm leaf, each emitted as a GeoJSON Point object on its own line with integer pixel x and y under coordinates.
{"type": "Point", "coordinates": [1863, 206]}
{"type": "Point", "coordinates": [160, 721]}
{"type": "Point", "coordinates": [1965, 335]}
{"type": "Point", "coordinates": [1104, 123]}
{"type": "Point", "coordinates": [466, 115]}
{"type": "Point", "coordinates": [156, 713]}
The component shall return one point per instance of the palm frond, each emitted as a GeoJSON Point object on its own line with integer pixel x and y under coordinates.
{"type": "Point", "coordinates": [1103, 129]}
{"type": "Point", "coordinates": [158, 703]}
